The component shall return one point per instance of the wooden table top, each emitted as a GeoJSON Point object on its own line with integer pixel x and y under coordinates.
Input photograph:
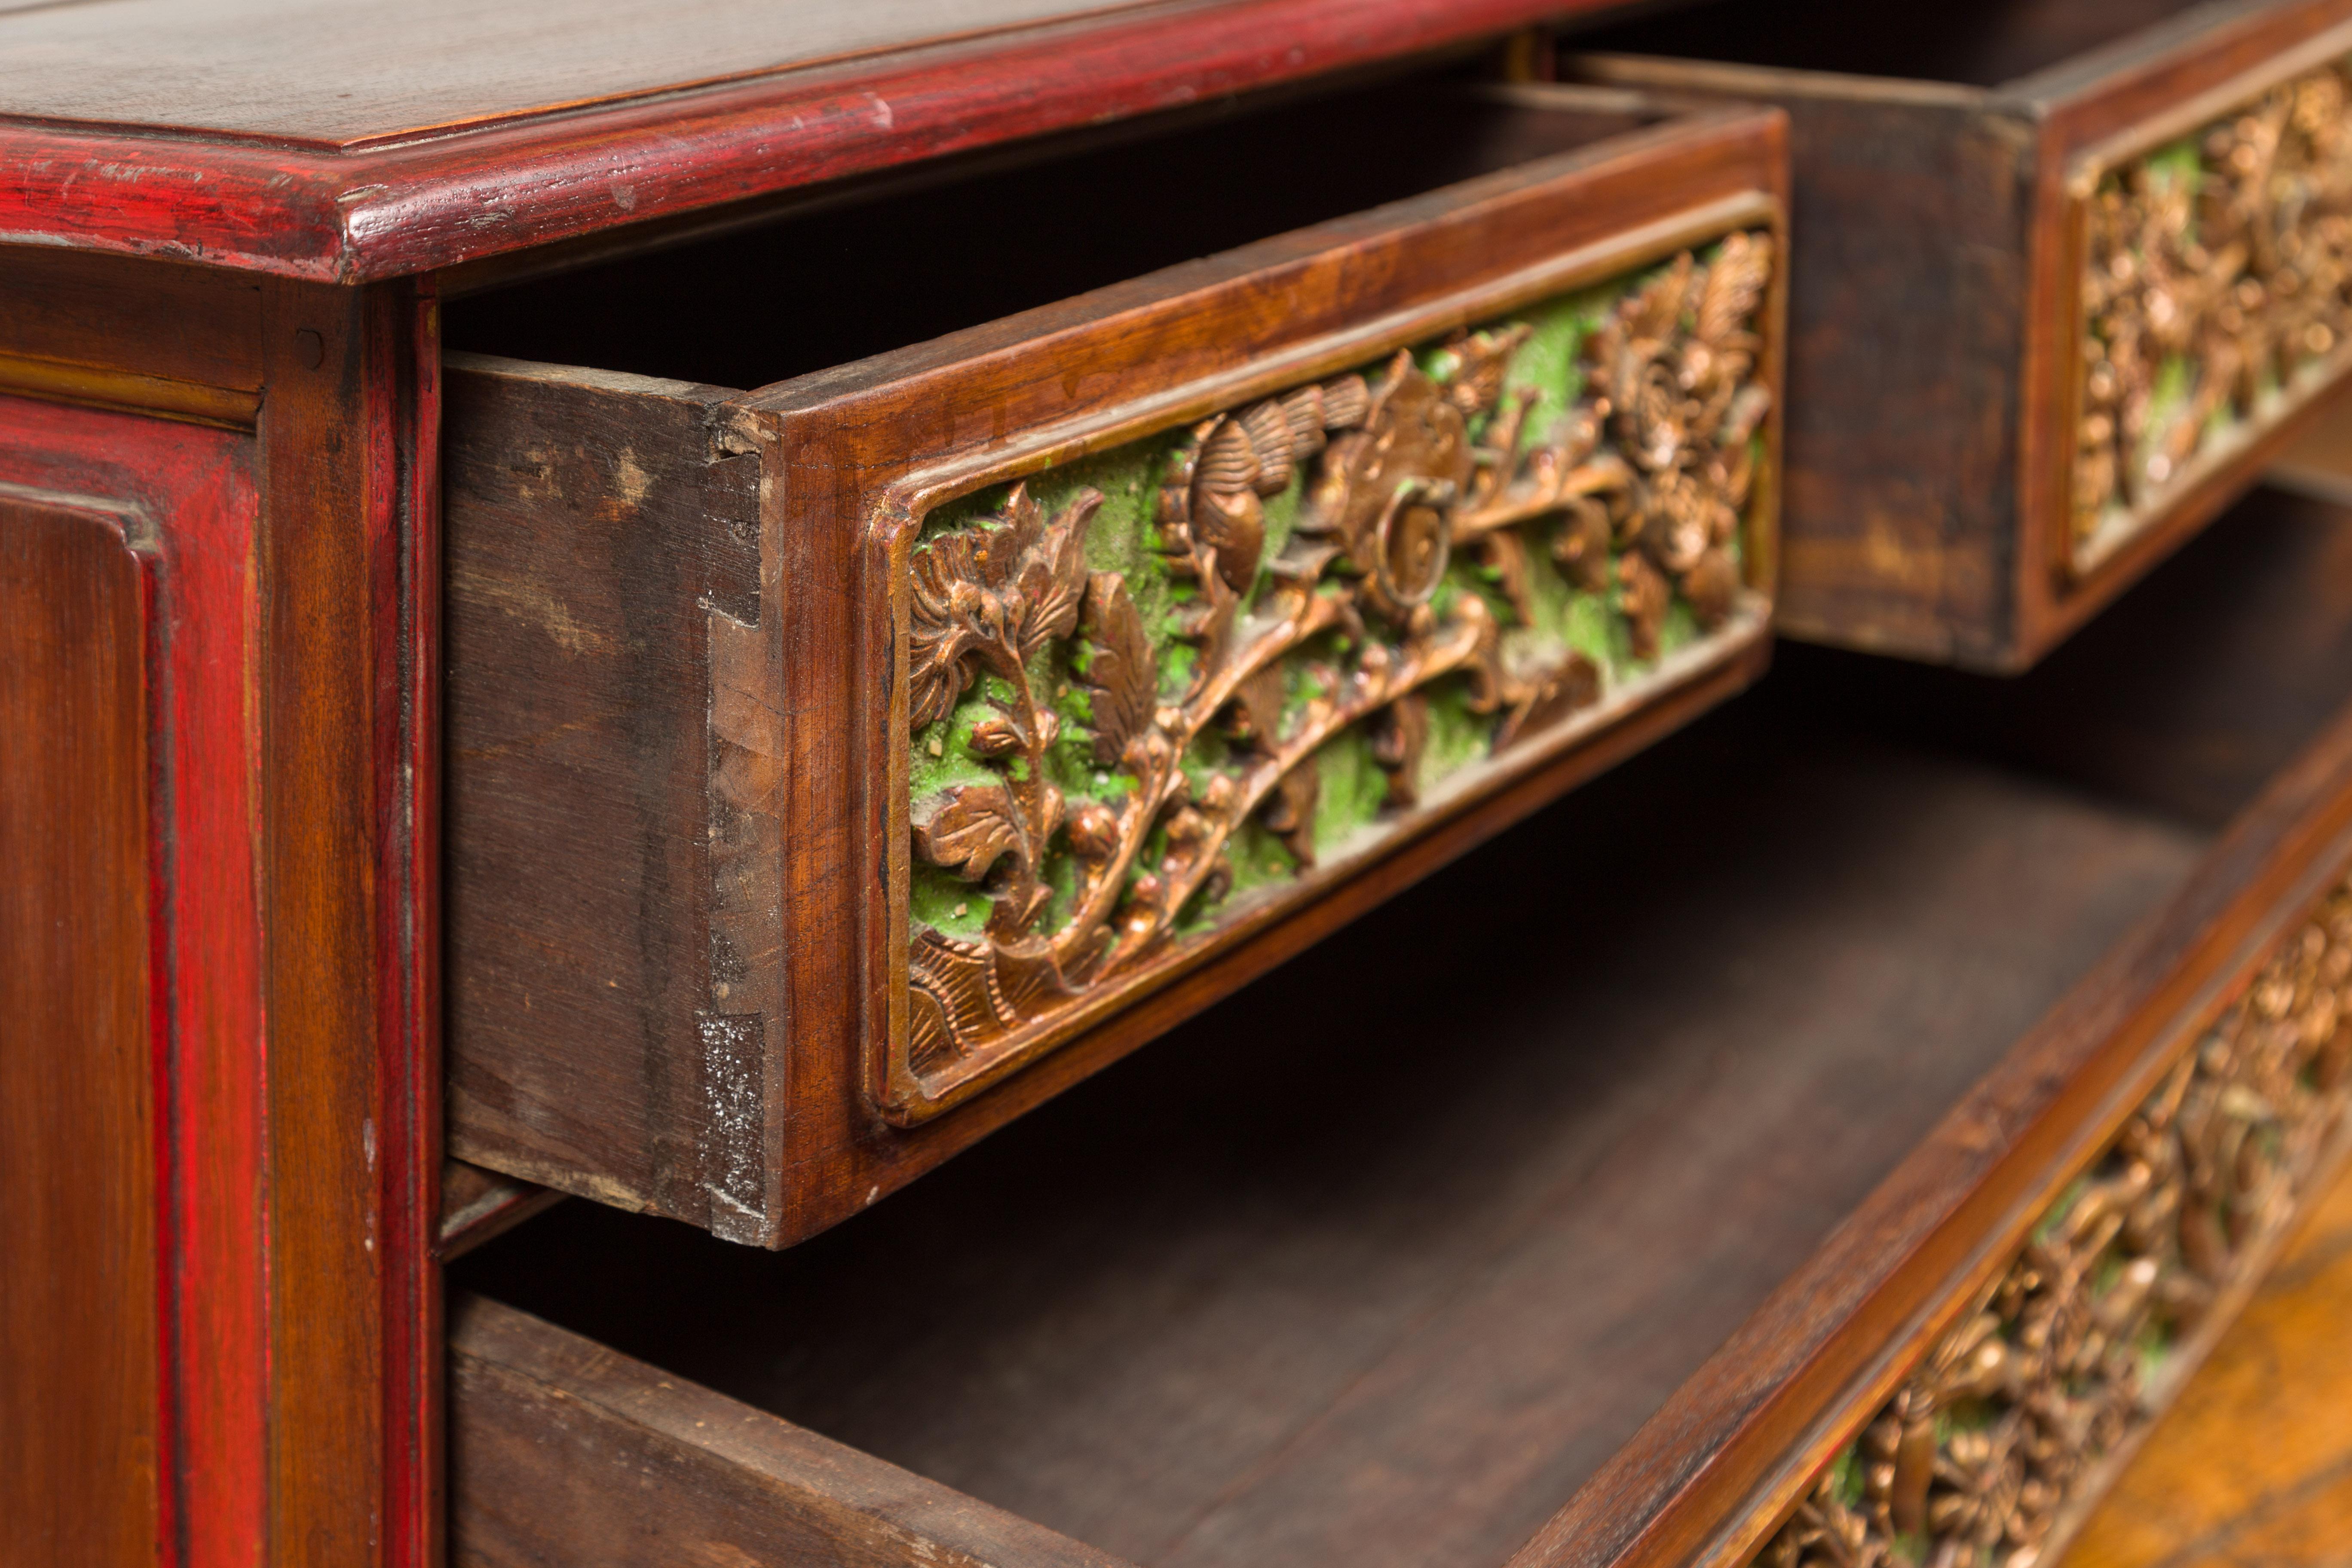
{"type": "Point", "coordinates": [331, 74]}
{"type": "Point", "coordinates": [353, 140]}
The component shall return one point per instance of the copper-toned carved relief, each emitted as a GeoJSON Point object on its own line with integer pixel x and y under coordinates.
{"type": "Point", "coordinates": [1138, 707]}
{"type": "Point", "coordinates": [1984, 1450]}
{"type": "Point", "coordinates": [2217, 291]}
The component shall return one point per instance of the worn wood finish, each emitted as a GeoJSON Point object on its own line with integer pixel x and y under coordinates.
{"type": "Point", "coordinates": [233, 195]}
{"type": "Point", "coordinates": [179, 503]}
{"type": "Point", "coordinates": [681, 1099]}
{"type": "Point", "coordinates": [1935, 367]}
{"type": "Point", "coordinates": [566, 1453]}
{"type": "Point", "coordinates": [1398, 1321]}
{"type": "Point", "coordinates": [1404, 1325]}
{"type": "Point", "coordinates": [595, 530]}
{"type": "Point", "coordinates": [348, 851]}
{"type": "Point", "coordinates": [1730, 1454]}
{"type": "Point", "coordinates": [478, 1205]}
{"type": "Point", "coordinates": [2254, 1464]}
{"type": "Point", "coordinates": [2125, 1280]}
{"type": "Point", "coordinates": [81, 1331]}
{"type": "Point", "coordinates": [180, 330]}
{"type": "Point", "coordinates": [258, 445]}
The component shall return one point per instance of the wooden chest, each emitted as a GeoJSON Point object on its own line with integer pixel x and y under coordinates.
{"type": "Point", "coordinates": [714, 605]}
{"type": "Point", "coordinates": [2076, 269]}
{"type": "Point", "coordinates": [828, 755]}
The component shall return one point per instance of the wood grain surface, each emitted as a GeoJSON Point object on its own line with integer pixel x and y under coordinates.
{"type": "Point", "coordinates": [284, 190]}
{"type": "Point", "coordinates": [1934, 362]}
{"type": "Point", "coordinates": [2252, 1468]}
{"type": "Point", "coordinates": [1191, 1321]}
{"type": "Point", "coordinates": [1603, 1086]}
{"type": "Point", "coordinates": [178, 501]}
{"type": "Point", "coordinates": [81, 1348]}
{"type": "Point", "coordinates": [348, 852]}
{"type": "Point", "coordinates": [326, 73]}
{"type": "Point", "coordinates": [568, 1454]}
{"type": "Point", "coordinates": [592, 537]}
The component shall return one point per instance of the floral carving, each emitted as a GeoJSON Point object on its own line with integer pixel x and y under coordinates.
{"type": "Point", "coordinates": [1307, 588]}
{"type": "Point", "coordinates": [2218, 278]}
{"type": "Point", "coordinates": [1984, 1451]}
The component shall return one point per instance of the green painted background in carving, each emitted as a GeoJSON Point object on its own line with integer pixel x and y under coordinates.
{"type": "Point", "coordinates": [1122, 539]}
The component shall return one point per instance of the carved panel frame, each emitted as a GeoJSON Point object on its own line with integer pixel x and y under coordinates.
{"type": "Point", "coordinates": [902, 1092]}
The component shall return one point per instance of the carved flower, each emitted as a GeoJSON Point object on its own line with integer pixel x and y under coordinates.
{"type": "Point", "coordinates": [991, 595]}
{"type": "Point", "coordinates": [1386, 490]}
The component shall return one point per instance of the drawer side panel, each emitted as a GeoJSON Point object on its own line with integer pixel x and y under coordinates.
{"type": "Point", "coordinates": [566, 1455]}
{"type": "Point", "coordinates": [593, 532]}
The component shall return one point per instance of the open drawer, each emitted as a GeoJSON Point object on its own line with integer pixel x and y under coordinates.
{"type": "Point", "coordinates": [2073, 270]}
{"type": "Point", "coordinates": [1789, 1068]}
{"type": "Point", "coordinates": [928, 728]}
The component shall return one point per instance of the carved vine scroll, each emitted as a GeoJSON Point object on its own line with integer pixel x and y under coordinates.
{"type": "Point", "coordinates": [1986, 1446]}
{"type": "Point", "coordinates": [1140, 705]}
{"type": "Point", "coordinates": [2217, 290]}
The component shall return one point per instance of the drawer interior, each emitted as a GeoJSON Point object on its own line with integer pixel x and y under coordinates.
{"type": "Point", "coordinates": [1203, 1310]}
{"type": "Point", "coordinates": [1979, 45]}
{"type": "Point", "coordinates": [866, 271]}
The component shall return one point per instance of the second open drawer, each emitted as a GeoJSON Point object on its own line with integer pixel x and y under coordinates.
{"type": "Point", "coordinates": [840, 767]}
{"type": "Point", "coordinates": [2071, 270]}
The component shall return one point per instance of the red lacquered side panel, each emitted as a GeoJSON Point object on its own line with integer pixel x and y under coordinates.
{"type": "Point", "coordinates": [130, 1050]}
{"type": "Point", "coordinates": [80, 1350]}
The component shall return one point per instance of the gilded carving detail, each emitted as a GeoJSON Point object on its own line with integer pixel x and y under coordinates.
{"type": "Point", "coordinates": [1381, 560]}
{"type": "Point", "coordinates": [1980, 1453]}
{"type": "Point", "coordinates": [2217, 285]}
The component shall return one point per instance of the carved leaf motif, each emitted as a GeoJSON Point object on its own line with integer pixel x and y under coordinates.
{"type": "Point", "coordinates": [998, 553]}
{"type": "Point", "coordinates": [994, 596]}
{"type": "Point", "coordinates": [1550, 695]}
{"type": "Point", "coordinates": [1734, 288]}
{"type": "Point", "coordinates": [1654, 312]}
{"type": "Point", "coordinates": [1228, 514]}
{"type": "Point", "coordinates": [971, 827]}
{"type": "Point", "coordinates": [949, 1008]}
{"type": "Point", "coordinates": [1121, 674]}
{"type": "Point", "coordinates": [1483, 360]}
{"type": "Point", "coordinates": [944, 616]}
{"type": "Point", "coordinates": [1054, 577]}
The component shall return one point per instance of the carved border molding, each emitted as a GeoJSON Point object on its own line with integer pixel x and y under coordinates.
{"type": "Point", "coordinates": [1992, 1450]}
{"type": "Point", "coordinates": [1351, 599]}
{"type": "Point", "coordinates": [2216, 296]}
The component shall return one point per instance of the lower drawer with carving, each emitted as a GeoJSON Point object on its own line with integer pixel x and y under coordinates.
{"type": "Point", "coordinates": [840, 768]}
{"type": "Point", "coordinates": [1837, 1126]}
{"type": "Point", "coordinates": [2076, 268]}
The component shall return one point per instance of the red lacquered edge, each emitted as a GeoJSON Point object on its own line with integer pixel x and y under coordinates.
{"type": "Point", "coordinates": [386, 212]}
{"type": "Point", "coordinates": [413, 1306]}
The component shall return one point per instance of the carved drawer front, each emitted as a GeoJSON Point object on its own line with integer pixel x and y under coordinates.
{"type": "Point", "coordinates": [832, 755]}
{"type": "Point", "coordinates": [2091, 264]}
{"type": "Point", "coordinates": [1863, 1184]}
